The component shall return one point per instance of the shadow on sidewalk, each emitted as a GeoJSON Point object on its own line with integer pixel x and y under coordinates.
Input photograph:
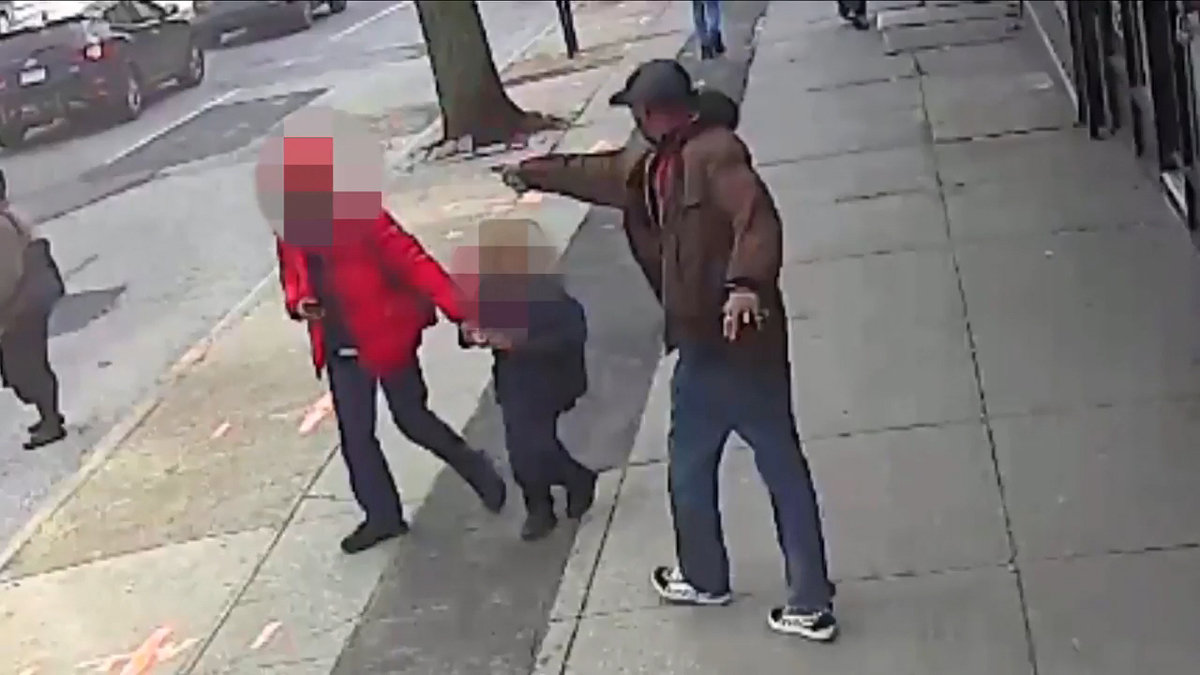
{"type": "Point", "coordinates": [468, 596]}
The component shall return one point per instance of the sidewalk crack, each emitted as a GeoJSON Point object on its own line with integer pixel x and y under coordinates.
{"type": "Point", "coordinates": [984, 414]}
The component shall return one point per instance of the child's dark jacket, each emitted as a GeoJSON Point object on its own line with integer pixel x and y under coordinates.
{"type": "Point", "coordinates": [545, 370]}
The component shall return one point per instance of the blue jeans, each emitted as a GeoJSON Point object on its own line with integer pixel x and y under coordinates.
{"type": "Point", "coordinates": [707, 16]}
{"type": "Point", "coordinates": [711, 397]}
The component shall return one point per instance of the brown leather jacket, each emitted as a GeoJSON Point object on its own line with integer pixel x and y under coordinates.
{"type": "Point", "coordinates": [719, 227]}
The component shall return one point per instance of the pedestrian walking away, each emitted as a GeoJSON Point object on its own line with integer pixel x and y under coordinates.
{"type": "Point", "coordinates": [854, 12]}
{"type": "Point", "coordinates": [708, 238]}
{"type": "Point", "coordinates": [367, 290]}
{"type": "Point", "coordinates": [707, 16]}
{"type": "Point", "coordinates": [30, 286]}
{"type": "Point", "coordinates": [537, 332]}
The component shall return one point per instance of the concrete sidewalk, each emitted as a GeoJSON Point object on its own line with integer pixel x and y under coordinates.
{"type": "Point", "coordinates": [996, 353]}
{"type": "Point", "coordinates": [217, 518]}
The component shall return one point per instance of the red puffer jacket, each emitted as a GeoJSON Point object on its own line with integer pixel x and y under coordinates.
{"type": "Point", "coordinates": [386, 287]}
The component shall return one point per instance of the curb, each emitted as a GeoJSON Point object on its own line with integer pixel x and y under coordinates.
{"type": "Point", "coordinates": [124, 428]}
{"type": "Point", "coordinates": [128, 424]}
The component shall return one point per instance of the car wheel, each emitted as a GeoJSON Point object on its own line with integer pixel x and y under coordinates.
{"type": "Point", "coordinates": [13, 137]}
{"type": "Point", "coordinates": [129, 107]}
{"type": "Point", "coordinates": [193, 70]}
{"type": "Point", "coordinates": [337, 6]}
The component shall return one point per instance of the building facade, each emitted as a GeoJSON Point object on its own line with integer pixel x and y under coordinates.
{"type": "Point", "coordinates": [1134, 66]}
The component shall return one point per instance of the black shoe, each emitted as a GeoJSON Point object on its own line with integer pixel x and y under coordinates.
{"type": "Point", "coordinates": [369, 534]}
{"type": "Point", "coordinates": [860, 22]}
{"type": "Point", "coordinates": [539, 522]}
{"type": "Point", "coordinates": [488, 484]}
{"type": "Point", "coordinates": [581, 494]}
{"type": "Point", "coordinates": [706, 52]}
{"type": "Point", "coordinates": [719, 46]}
{"type": "Point", "coordinates": [817, 625]}
{"type": "Point", "coordinates": [45, 432]}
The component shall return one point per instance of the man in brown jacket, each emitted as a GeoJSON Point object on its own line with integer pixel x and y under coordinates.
{"type": "Point", "coordinates": [706, 233]}
{"type": "Point", "coordinates": [30, 284]}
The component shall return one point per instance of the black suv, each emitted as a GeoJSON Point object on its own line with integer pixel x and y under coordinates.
{"type": "Point", "coordinates": [100, 60]}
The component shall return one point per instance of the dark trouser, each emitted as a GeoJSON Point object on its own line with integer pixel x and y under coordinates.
{"type": "Point", "coordinates": [25, 363]}
{"type": "Point", "coordinates": [710, 398]}
{"type": "Point", "coordinates": [707, 16]}
{"type": "Point", "coordinates": [849, 8]}
{"type": "Point", "coordinates": [354, 401]}
{"type": "Point", "coordinates": [535, 453]}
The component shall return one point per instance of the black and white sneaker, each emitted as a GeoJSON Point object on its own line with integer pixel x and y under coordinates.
{"type": "Point", "coordinates": [819, 625]}
{"type": "Point", "coordinates": [670, 585]}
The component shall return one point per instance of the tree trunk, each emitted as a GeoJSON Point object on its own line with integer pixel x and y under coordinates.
{"type": "Point", "coordinates": [470, 95]}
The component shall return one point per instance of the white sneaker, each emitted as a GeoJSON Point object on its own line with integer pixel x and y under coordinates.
{"type": "Point", "coordinates": [672, 587]}
{"type": "Point", "coordinates": [819, 625]}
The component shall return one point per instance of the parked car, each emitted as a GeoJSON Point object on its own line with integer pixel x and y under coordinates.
{"type": "Point", "coordinates": [218, 20]}
{"type": "Point", "coordinates": [99, 60]}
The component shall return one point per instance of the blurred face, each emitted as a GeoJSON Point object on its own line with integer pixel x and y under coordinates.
{"type": "Point", "coordinates": [657, 122]}
{"type": "Point", "coordinates": [320, 183]}
{"type": "Point", "coordinates": [308, 196]}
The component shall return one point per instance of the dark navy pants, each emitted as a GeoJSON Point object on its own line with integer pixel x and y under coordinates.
{"type": "Point", "coordinates": [535, 453]}
{"type": "Point", "coordinates": [712, 397]}
{"type": "Point", "coordinates": [354, 400]}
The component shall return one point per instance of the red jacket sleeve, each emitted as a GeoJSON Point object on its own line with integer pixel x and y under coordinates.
{"type": "Point", "coordinates": [293, 275]}
{"type": "Point", "coordinates": [407, 259]}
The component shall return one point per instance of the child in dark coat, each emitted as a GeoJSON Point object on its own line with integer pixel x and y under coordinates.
{"type": "Point", "coordinates": [536, 331]}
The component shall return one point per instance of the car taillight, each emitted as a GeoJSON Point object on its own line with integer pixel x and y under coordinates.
{"type": "Point", "coordinates": [93, 52]}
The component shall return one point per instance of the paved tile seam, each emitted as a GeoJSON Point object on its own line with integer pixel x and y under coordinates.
{"type": "Point", "coordinates": [914, 248]}
{"type": "Point", "coordinates": [198, 654]}
{"type": "Point", "coordinates": [1041, 412]}
{"type": "Point", "coordinates": [957, 242]}
{"type": "Point", "coordinates": [821, 88]}
{"type": "Point", "coordinates": [1114, 553]}
{"type": "Point", "coordinates": [9, 581]}
{"type": "Point", "coordinates": [867, 196]}
{"type": "Point", "coordinates": [1033, 129]}
{"type": "Point", "coordinates": [977, 371]}
{"type": "Point", "coordinates": [816, 156]}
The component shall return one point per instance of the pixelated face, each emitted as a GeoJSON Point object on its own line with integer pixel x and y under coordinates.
{"type": "Point", "coordinates": [509, 267]}
{"type": "Point", "coordinates": [319, 180]}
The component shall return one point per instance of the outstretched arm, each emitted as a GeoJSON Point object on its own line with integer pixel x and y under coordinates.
{"type": "Point", "coordinates": [598, 178]}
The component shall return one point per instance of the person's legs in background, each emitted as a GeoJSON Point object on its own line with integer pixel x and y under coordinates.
{"type": "Point", "coordinates": [854, 11]}
{"type": "Point", "coordinates": [408, 400]}
{"type": "Point", "coordinates": [712, 15]}
{"type": "Point", "coordinates": [706, 15]}
{"type": "Point", "coordinates": [25, 367]}
{"type": "Point", "coordinates": [354, 391]}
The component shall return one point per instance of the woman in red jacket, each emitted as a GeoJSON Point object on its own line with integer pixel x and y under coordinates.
{"type": "Point", "coordinates": [367, 290]}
